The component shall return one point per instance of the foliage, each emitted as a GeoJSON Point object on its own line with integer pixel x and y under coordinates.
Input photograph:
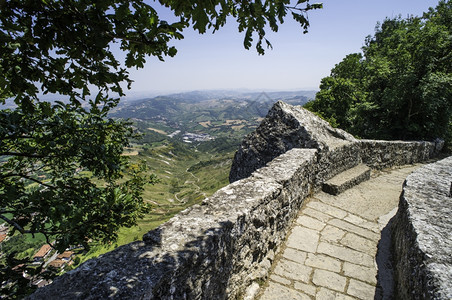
{"type": "Point", "coordinates": [19, 244]}
{"type": "Point", "coordinates": [14, 284]}
{"type": "Point", "coordinates": [64, 48]}
{"type": "Point", "coordinates": [58, 142]}
{"type": "Point", "coordinates": [401, 86]}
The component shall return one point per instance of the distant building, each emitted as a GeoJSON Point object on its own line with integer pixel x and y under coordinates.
{"type": "Point", "coordinates": [3, 237]}
{"type": "Point", "coordinates": [3, 232]}
{"type": "Point", "coordinates": [65, 256]}
{"type": "Point", "coordinates": [42, 253]}
{"type": "Point", "coordinates": [57, 263]}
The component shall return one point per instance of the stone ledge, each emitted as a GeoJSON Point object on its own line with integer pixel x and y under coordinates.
{"type": "Point", "coordinates": [346, 180]}
{"type": "Point", "coordinates": [422, 234]}
{"type": "Point", "coordinates": [385, 154]}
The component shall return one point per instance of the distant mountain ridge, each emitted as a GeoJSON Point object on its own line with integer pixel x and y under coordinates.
{"type": "Point", "coordinates": [232, 104]}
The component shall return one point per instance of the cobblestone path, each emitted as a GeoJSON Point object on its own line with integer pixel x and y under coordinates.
{"type": "Point", "coordinates": [330, 251]}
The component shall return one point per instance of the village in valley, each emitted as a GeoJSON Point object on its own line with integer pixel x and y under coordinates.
{"type": "Point", "coordinates": [46, 256]}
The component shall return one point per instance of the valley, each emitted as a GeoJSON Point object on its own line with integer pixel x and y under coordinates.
{"type": "Point", "coordinates": [187, 141]}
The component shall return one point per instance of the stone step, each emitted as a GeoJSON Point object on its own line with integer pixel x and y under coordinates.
{"type": "Point", "coordinates": [346, 179]}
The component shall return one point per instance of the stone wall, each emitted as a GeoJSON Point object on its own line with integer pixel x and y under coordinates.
{"type": "Point", "coordinates": [284, 128]}
{"type": "Point", "coordinates": [385, 154]}
{"type": "Point", "coordinates": [422, 234]}
{"type": "Point", "coordinates": [216, 250]}
{"type": "Point", "coordinates": [209, 251]}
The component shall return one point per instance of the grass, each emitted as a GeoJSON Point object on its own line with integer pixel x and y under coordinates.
{"type": "Point", "coordinates": [191, 188]}
{"type": "Point", "coordinates": [178, 188]}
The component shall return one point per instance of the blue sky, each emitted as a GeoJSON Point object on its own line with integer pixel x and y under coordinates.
{"type": "Point", "coordinates": [297, 61]}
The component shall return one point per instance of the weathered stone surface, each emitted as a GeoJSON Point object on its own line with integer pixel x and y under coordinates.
{"type": "Point", "coordinates": [317, 214]}
{"type": "Point", "coordinates": [377, 197]}
{"type": "Point", "coordinates": [422, 234]}
{"type": "Point", "coordinates": [332, 234]}
{"type": "Point", "coordinates": [304, 239]}
{"type": "Point", "coordinates": [385, 154]}
{"type": "Point", "coordinates": [280, 279]}
{"type": "Point", "coordinates": [293, 270]}
{"type": "Point", "coordinates": [347, 179]}
{"type": "Point", "coordinates": [346, 254]}
{"type": "Point", "coordinates": [359, 243]}
{"type": "Point", "coordinates": [360, 290]}
{"type": "Point", "coordinates": [311, 223]}
{"type": "Point", "coordinates": [328, 209]}
{"type": "Point", "coordinates": [305, 288]}
{"type": "Point", "coordinates": [326, 294]}
{"type": "Point", "coordinates": [277, 291]}
{"type": "Point", "coordinates": [362, 273]}
{"type": "Point", "coordinates": [329, 280]}
{"type": "Point", "coordinates": [284, 128]}
{"type": "Point", "coordinates": [320, 261]}
{"type": "Point", "coordinates": [295, 255]}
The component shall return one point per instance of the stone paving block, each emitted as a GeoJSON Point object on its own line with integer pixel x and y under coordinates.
{"type": "Point", "coordinates": [311, 223]}
{"type": "Point", "coordinates": [359, 243]}
{"type": "Point", "coordinates": [346, 254]}
{"type": "Point", "coordinates": [326, 294]}
{"type": "Point", "coordinates": [355, 229]}
{"type": "Point", "coordinates": [293, 270]}
{"type": "Point", "coordinates": [362, 273]}
{"type": "Point", "coordinates": [295, 255]}
{"type": "Point", "coordinates": [332, 234]}
{"type": "Point", "coordinates": [360, 290]}
{"type": "Point", "coordinates": [280, 279]}
{"type": "Point", "coordinates": [316, 214]}
{"type": "Point", "coordinates": [384, 220]}
{"type": "Point", "coordinates": [308, 289]}
{"type": "Point", "coordinates": [327, 209]}
{"type": "Point", "coordinates": [276, 291]}
{"type": "Point", "coordinates": [304, 239]}
{"type": "Point", "coordinates": [324, 262]}
{"type": "Point", "coordinates": [354, 219]}
{"type": "Point", "coordinates": [329, 280]}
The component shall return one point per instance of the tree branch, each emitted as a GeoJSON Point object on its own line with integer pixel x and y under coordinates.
{"type": "Point", "coordinates": [14, 224]}
{"type": "Point", "coordinates": [23, 231]}
{"type": "Point", "coordinates": [32, 179]}
{"type": "Point", "coordinates": [22, 154]}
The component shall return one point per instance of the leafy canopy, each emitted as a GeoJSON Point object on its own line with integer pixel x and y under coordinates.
{"type": "Point", "coordinates": [401, 86]}
{"type": "Point", "coordinates": [61, 169]}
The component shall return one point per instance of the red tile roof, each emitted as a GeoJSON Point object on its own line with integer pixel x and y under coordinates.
{"type": "Point", "coordinates": [65, 254]}
{"type": "Point", "coordinates": [43, 251]}
{"type": "Point", "coordinates": [57, 263]}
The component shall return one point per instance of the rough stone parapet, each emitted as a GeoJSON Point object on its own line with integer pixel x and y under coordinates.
{"type": "Point", "coordinates": [287, 127]}
{"type": "Point", "coordinates": [385, 154]}
{"type": "Point", "coordinates": [284, 128]}
{"type": "Point", "coordinates": [422, 234]}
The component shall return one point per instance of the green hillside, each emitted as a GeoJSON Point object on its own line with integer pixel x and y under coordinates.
{"type": "Point", "coordinates": [187, 141]}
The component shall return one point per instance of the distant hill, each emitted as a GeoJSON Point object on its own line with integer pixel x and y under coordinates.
{"type": "Point", "coordinates": [204, 106]}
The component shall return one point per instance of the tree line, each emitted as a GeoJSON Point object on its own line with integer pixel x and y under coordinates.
{"type": "Point", "coordinates": [400, 86]}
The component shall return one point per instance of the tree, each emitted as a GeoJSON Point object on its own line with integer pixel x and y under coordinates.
{"type": "Point", "coordinates": [62, 47]}
{"type": "Point", "coordinates": [340, 92]}
{"type": "Point", "coordinates": [400, 88]}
